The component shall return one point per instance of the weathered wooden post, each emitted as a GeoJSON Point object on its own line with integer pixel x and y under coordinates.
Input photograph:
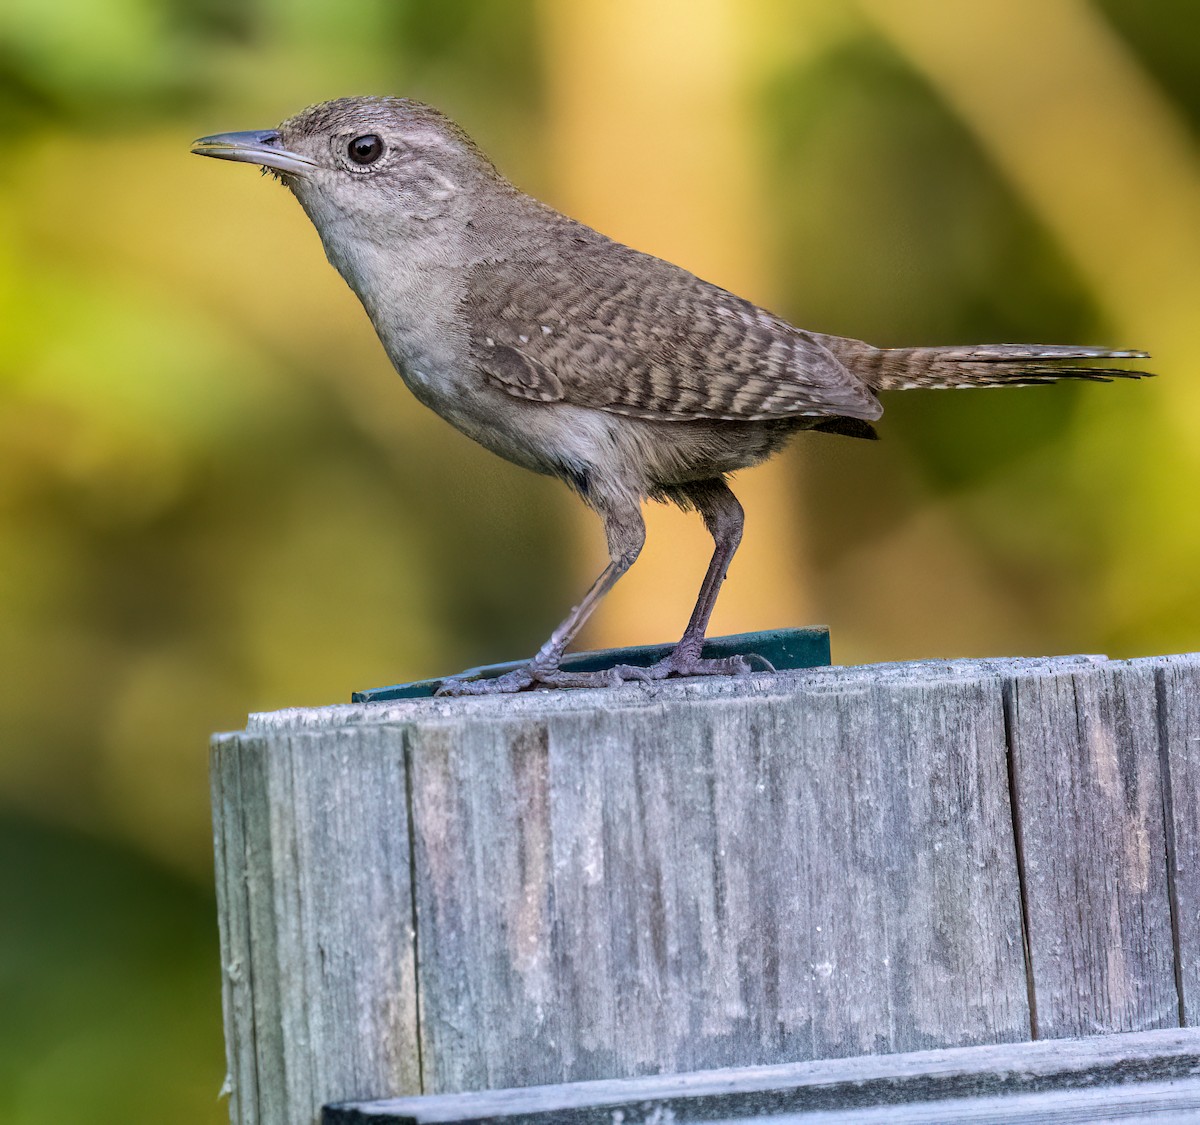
{"type": "Point", "coordinates": [432, 896]}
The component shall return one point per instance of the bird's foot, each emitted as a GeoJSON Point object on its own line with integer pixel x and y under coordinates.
{"type": "Point", "coordinates": [687, 662]}
{"type": "Point", "coordinates": [531, 676]}
{"type": "Point", "coordinates": [681, 662]}
{"type": "Point", "coordinates": [516, 680]}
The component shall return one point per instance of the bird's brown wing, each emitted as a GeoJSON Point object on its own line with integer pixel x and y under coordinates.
{"type": "Point", "coordinates": [626, 333]}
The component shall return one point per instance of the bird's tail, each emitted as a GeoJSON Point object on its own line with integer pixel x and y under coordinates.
{"type": "Point", "coordinates": [986, 365]}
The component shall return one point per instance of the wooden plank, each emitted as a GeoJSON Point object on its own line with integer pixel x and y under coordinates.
{"type": "Point", "coordinates": [625, 889]}
{"type": "Point", "coordinates": [1178, 683]}
{"type": "Point", "coordinates": [1112, 1078]}
{"type": "Point", "coordinates": [1085, 760]}
{"type": "Point", "coordinates": [313, 871]}
{"type": "Point", "coordinates": [697, 873]}
{"type": "Point", "coordinates": [239, 822]}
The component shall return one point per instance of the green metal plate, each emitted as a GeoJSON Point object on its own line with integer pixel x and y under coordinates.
{"type": "Point", "coordinates": [783, 648]}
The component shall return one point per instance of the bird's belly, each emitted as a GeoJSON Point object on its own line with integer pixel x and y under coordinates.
{"type": "Point", "coordinates": [510, 429]}
{"type": "Point", "coordinates": [431, 369]}
{"type": "Point", "coordinates": [673, 453]}
{"type": "Point", "coordinates": [598, 453]}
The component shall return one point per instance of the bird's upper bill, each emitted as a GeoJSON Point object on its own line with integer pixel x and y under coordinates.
{"type": "Point", "coordinates": [255, 147]}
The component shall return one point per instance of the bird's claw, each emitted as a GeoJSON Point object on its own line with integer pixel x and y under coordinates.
{"type": "Point", "coordinates": [525, 677]}
{"type": "Point", "coordinates": [683, 663]}
{"type": "Point", "coordinates": [516, 680]}
{"type": "Point", "coordinates": [763, 664]}
{"type": "Point", "coordinates": [678, 663]}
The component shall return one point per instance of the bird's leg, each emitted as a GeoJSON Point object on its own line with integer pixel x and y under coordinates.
{"type": "Point", "coordinates": [722, 515]}
{"type": "Point", "coordinates": [626, 532]}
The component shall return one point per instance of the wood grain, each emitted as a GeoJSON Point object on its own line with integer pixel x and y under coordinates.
{"type": "Point", "coordinates": [315, 909]}
{"type": "Point", "coordinates": [1178, 683]}
{"type": "Point", "coordinates": [442, 895]}
{"type": "Point", "coordinates": [1085, 750]}
{"type": "Point", "coordinates": [632, 889]}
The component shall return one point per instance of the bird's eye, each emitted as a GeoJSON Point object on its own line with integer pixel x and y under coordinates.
{"type": "Point", "coordinates": [366, 149]}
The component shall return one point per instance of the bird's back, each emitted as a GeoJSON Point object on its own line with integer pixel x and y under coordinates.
{"type": "Point", "coordinates": [568, 315]}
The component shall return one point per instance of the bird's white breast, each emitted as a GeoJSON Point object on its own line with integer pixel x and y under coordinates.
{"type": "Point", "coordinates": [411, 293]}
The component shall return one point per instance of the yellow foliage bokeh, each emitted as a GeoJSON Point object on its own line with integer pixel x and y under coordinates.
{"type": "Point", "coordinates": [216, 496]}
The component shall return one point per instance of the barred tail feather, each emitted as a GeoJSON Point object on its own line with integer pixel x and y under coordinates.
{"type": "Point", "coordinates": [988, 365]}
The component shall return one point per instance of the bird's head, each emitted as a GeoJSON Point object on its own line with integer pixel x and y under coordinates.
{"type": "Point", "coordinates": [388, 166]}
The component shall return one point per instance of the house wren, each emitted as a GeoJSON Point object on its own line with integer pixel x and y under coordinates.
{"type": "Point", "coordinates": [625, 376]}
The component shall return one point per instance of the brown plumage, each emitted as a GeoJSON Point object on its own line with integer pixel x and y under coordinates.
{"type": "Point", "coordinates": [576, 356]}
{"type": "Point", "coordinates": [611, 329]}
{"type": "Point", "coordinates": [983, 365]}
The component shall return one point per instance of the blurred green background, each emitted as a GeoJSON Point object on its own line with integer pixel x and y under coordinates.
{"type": "Point", "coordinates": [216, 497]}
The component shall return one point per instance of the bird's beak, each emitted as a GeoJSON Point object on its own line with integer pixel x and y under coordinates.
{"type": "Point", "coordinates": [255, 147]}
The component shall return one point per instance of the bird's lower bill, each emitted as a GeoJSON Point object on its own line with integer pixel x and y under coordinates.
{"type": "Point", "coordinates": [256, 147]}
